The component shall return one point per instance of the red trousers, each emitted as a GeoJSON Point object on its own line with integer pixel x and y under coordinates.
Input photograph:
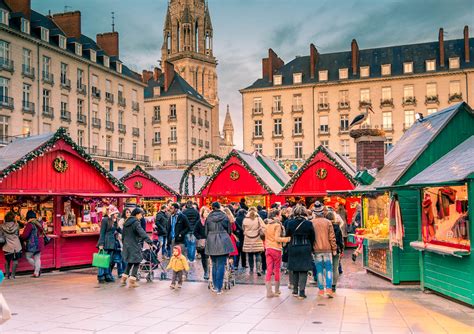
{"type": "Point", "coordinates": [273, 257]}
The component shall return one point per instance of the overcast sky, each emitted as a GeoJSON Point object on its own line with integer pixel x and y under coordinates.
{"type": "Point", "coordinates": [245, 29]}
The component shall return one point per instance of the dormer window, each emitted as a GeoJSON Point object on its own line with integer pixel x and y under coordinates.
{"type": "Point", "coordinates": [323, 75]}
{"type": "Point", "coordinates": [4, 15]}
{"type": "Point", "coordinates": [119, 67]}
{"type": "Point", "coordinates": [25, 26]}
{"type": "Point", "coordinates": [78, 49]}
{"type": "Point", "coordinates": [343, 73]}
{"type": "Point", "coordinates": [277, 80]}
{"type": "Point", "coordinates": [297, 78]}
{"type": "Point", "coordinates": [364, 71]}
{"type": "Point", "coordinates": [93, 56]}
{"type": "Point", "coordinates": [430, 65]}
{"type": "Point", "coordinates": [62, 42]}
{"type": "Point", "coordinates": [453, 63]}
{"type": "Point", "coordinates": [44, 34]}
{"type": "Point", "coordinates": [386, 69]}
{"type": "Point", "coordinates": [106, 61]}
{"type": "Point", "coordinates": [408, 67]}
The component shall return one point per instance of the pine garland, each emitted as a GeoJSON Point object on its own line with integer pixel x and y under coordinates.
{"type": "Point", "coordinates": [48, 146]}
{"type": "Point", "coordinates": [150, 177]}
{"type": "Point", "coordinates": [184, 179]}
{"type": "Point", "coordinates": [303, 168]}
{"type": "Point", "coordinates": [236, 154]}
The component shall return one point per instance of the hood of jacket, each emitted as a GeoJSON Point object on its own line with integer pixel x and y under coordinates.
{"type": "Point", "coordinates": [10, 227]}
{"type": "Point", "coordinates": [273, 221]}
{"type": "Point", "coordinates": [216, 216]}
{"type": "Point", "coordinates": [130, 221]}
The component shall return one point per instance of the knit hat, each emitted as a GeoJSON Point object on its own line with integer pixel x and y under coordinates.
{"type": "Point", "coordinates": [30, 215]}
{"type": "Point", "coordinates": [216, 206]}
{"type": "Point", "coordinates": [113, 210]}
{"type": "Point", "coordinates": [318, 207]}
{"type": "Point", "coordinates": [137, 211]}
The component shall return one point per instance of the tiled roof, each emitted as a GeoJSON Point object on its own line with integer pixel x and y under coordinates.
{"type": "Point", "coordinates": [457, 165]}
{"type": "Point", "coordinates": [394, 55]}
{"type": "Point", "coordinates": [178, 86]}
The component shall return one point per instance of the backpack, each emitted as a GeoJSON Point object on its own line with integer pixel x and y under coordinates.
{"type": "Point", "coordinates": [32, 244]}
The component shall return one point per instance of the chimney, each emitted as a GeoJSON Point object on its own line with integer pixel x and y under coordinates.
{"type": "Point", "coordinates": [370, 152]}
{"type": "Point", "coordinates": [441, 47]}
{"type": "Point", "coordinates": [169, 74]}
{"type": "Point", "coordinates": [156, 73]}
{"type": "Point", "coordinates": [274, 63]}
{"type": "Point", "coordinates": [265, 73]}
{"type": "Point", "coordinates": [20, 6]}
{"type": "Point", "coordinates": [146, 76]}
{"type": "Point", "coordinates": [355, 56]}
{"type": "Point", "coordinates": [109, 42]}
{"type": "Point", "coordinates": [467, 56]}
{"type": "Point", "coordinates": [313, 55]}
{"type": "Point", "coordinates": [70, 23]}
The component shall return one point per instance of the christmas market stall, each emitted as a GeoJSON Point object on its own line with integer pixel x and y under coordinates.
{"type": "Point", "coordinates": [446, 189]}
{"type": "Point", "coordinates": [323, 172]}
{"type": "Point", "coordinates": [391, 210]}
{"type": "Point", "coordinates": [253, 177]}
{"type": "Point", "coordinates": [55, 177]}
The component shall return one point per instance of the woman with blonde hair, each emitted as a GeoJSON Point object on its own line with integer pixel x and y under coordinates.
{"type": "Point", "coordinates": [200, 234]}
{"type": "Point", "coordinates": [254, 229]}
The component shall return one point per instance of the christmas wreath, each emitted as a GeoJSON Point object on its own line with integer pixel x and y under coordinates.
{"type": "Point", "coordinates": [60, 164]}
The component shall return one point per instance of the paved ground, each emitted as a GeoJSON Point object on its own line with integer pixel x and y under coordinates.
{"type": "Point", "coordinates": [70, 302]}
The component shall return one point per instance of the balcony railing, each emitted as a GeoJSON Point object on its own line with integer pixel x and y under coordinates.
{"type": "Point", "coordinates": [172, 118]}
{"type": "Point", "coordinates": [200, 121]}
{"type": "Point", "coordinates": [277, 110]}
{"type": "Point", "coordinates": [456, 97]}
{"type": "Point", "coordinates": [66, 83]}
{"type": "Point", "coordinates": [323, 106]}
{"type": "Point", "coordinates": [343, 105]}
{"type": "Point", "coordinates": [257, 135]}
{"type": "Point", "coordinates": [172, 140]}
{"type": "Point", "coordinates": [28, 107]}
{"type": "Point", "coordinates": [136, 132]}
{"type": "Point", "coordinates": [81, 88]}
{"type": "Point", "coordinates": [116, 155]}
{"type": "Point", "coordinates": [323, 131]}
{"type": "Point", "coordinates": [6, 102]}
{"type": "Point", "coordinates": [96, 93]}
{"type": "Point", "coordinates": [135, 106]}
{"type": "Point", "coordinates": [81, 119]}
{"type": "Point", "coordinates": [156, 120]}
{"type": "Point", "coordinates": [65, 115]}
{"type": "Point", "coordinates": [48, 78]}
{"type": "Point", "coordinates": [109, 125]}
{"type": "Point", "coordinates": [206, 124]}
{"type": "Point", "coordinates": [48, 112]}
{"type": "Point", "coordinates": [387, 127]}
{"type": "Point", "coordinates": [409, 101]}
{"type": "Point", "coordinates": [156, 141]}
{"type": "Point", "coordinates": [6, 64]}
{"type": "Point", "coordinates": [109, 97]}
{"type": "Point", "coordinates": [343, 130]}
{"type": "Point", "coordinates": [297, 133]}
{"type": "Point", "coordinates": [297, 108]}
{"type": "Point", "coordinates": [386, 103]}
{"type": "Point", "coordinates": [431, 99]}
{"type": "Point", "coordinates": [193, 141]}
{"type": "Point", "coordinates": [278, 134]}
{"type": "Point", "coordinates": [28, 71]}
{"type": "Point", "coordinates": [365, 104]}
{"type": "Point", "coordinates": [257, 111]}
{"type": "Point", "coordinates": [122, 101]}
{"type": "Point", "coordinates": [96, 123]}
{"type": "Point", "coordinates": [122, 128]}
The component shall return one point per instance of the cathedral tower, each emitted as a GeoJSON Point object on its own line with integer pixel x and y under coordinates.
{"type": "Point", "coordinates": [187, 44]}
{"type": "Point", "coordinates": [227, 139]}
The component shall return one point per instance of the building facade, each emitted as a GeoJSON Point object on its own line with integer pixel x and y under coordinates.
{"type": "Point", "coordinates": [226, 144]}
{"type": "Point", "coordinates": [188, 45]}
{"type": "Point", "coordinates": [311, 101]}
{"type": "Point", "coordinates": [51, 76]}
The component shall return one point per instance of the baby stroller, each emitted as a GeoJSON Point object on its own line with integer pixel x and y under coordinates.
{"type": "Point", "coordinates": [150, 263]}
{"type": "Point", "coordinates": [229, 279]}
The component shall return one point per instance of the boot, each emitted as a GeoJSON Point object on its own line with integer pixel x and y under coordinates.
{"type": "Point", "coordinates": [277, 289]}
{"type": "Point", "coordinates": [301, 295]}
{"type": "Point", "coordinates": [259, 268]}
{"type": "Point", "coordinates": [15, 264]}
{"type": "Point", "coordinates": [132, 282]}
{"type": "Point", "coordinates": [7, 270]}
{"type": "Point", "coordinates": [268, 285]}
{"type": "Point", "coordinates": [123, 279]}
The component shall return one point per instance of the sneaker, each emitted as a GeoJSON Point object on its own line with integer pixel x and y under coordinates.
{"type": "Point", "coordinates": [330, 294]}
{"type": "Point", "coordinates": [219, 292]}
{"type": "Point", "coordinates": [301, 295]}
{"type": "Point", "coordinates": [294, 293]}
{"type": "Point", "coordinates": [214, 290]}
{"type": "Point", "coordinates": [321, 293]}
{"type": "Point", "coordinates": [259, 273]}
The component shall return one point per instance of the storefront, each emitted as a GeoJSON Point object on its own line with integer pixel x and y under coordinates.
{"type": "Point", "coordinates": [446, 190]}
{"type": "Point", "coordinates": [53, 176]}
{"type": "Point", "coordinates": [253, 177]}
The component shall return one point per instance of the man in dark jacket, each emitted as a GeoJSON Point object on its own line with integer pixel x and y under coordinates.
{"type": "Point", "coordinates": [239, 220]}
{"type": "Point", "coordinates": [243, 205]}
{"type": "Point", "coordinates": [162, 228]}
{"type": "Point", "coordinates": [262, 212]}
{"type": "Point", "coordinates": [178, 227]}
{"type": "Point", "coordinates": [190, 241]}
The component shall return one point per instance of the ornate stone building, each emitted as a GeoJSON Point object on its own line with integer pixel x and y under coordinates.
{"type": "Point", "coordinates": [227, 139]}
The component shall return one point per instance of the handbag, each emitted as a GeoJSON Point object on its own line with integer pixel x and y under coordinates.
{"type": "Point", "coordinates": [5, 312]}
{"type": "Point", "coordinates": [101, 259]}
{"type": "Point", "coordinates": [201, 244]}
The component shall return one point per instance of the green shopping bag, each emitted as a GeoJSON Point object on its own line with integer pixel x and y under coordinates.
{"type": "Point", "coordinates": [101, 259]}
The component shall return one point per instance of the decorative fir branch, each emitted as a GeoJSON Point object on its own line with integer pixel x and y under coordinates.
{"type": "Point", "coordinates": [184, 179]}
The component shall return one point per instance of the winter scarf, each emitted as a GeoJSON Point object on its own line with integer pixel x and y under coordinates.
{"type": "Point", "coordinates": [396, 232]}
{"type": "Point", "coordinates": [446, 197]}
{"type": "Point", "coordinates": [427, 219]}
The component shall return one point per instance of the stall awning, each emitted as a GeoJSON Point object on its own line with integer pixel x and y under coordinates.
{"type": "Point", "coordinates": [45, 193]}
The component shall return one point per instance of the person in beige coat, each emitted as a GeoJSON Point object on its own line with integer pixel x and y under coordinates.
{"type": "Point", "coordinates": [254, 228]}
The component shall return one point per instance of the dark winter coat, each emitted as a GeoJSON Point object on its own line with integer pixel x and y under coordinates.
{"type": "Point", "coordinates": [108, 237]}
{"type": "Point", "coordinates": [339, 238]}
{"type": "Point", "coordinates": [29, 228]}
{"type": "Point", "coordinates": [300, 247]}
{"type": "Point", "coordinates": [263, 214]}
{"type": "Point", "coordinates": [132, 237]}
{"type": "Point", "coordinates": [218, 231]}
{"type": "Point", "coordinates": [193, 217]}
{"type": "Point", "coordinates": [180, 230]}
{"type": "Point", "coordinates": [162, 223]}
{"type": "Point", "coordinates": [200, 231]}
{"type": "Point", "coordinates": [239, 224]}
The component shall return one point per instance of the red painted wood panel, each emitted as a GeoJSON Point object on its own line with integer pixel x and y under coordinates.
{"type": "Point", "coordinates": [223, 185]}
{"type": "Point", "coordinates": [309, 184]}
{"type": "Point", "coordinates": [149, 188]}
{"type": "Point", "coordinates": [76, 251]}
{"type": "Point", "coordinates": [39, 175]}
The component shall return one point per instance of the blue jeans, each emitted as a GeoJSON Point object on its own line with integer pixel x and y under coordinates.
{"type": "Point", "coordinates": [118, 259]}
{"type": "Point", "coordinates": [190, 243]}
{"type": "Point", "coordinates": [218, 270]}
{"type": "Point", "coordinates": [165, 251]}
{"type": "Point", "coordinates": [323, 262]}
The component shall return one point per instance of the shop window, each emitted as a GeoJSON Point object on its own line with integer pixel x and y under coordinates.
{"type": "Point", "coordinates": [445, 218]}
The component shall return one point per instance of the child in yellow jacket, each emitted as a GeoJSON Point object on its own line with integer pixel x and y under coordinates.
{"type": "Point", "coordinates": [179, 265]}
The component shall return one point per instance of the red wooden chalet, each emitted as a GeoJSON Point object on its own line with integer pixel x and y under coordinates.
{"type": "Point", "coordinates": [55, 177]}
{"type": "Point", "coordinates": [254, 177]}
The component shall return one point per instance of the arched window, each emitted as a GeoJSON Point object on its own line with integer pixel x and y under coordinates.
{"type": "Point", "coordinates": [196, 37]}
{"type": "Point", "coordinates": [168, 42]}
{"type": "Point", "coordinates": [178, 37]}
